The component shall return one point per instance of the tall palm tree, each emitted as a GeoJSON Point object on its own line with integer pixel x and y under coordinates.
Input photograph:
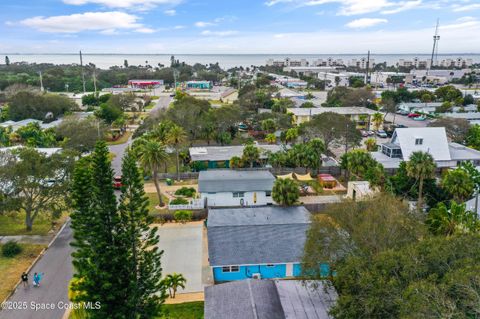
{"type": "Point", "coordinates": [176, 136]}
{"type": "Point", "coordinates": [454, 220]}
{"type": "Point", "coordinates": [151, 154]}
{"type": "Point", "coordinates": [173, 281]}
{"type": "Point", "coordinates": [421, 166]}
{"type": "Point", "coordinates": [377, 120]}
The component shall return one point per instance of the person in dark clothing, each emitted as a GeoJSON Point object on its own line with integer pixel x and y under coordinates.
{"type": "Point", "coordinates": [25, 279]}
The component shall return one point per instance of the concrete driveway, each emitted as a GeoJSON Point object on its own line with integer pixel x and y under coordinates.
{"type": "Point", "coordinates": [182, 246]}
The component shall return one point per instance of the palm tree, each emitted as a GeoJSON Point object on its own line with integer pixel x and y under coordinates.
{"type": "Point", "coordinates": [371, 144]}
{"type": "Point", "coordinates": [151, 154]}
{"type": "Point", "coordinates": [285, 192]}
{"type": "Point", "coordinates": [421, 166]}
{"type": "Point", "coordinates": [377, 120]}
{"type": "Point", "coordinates": [173, 281]}
{"type": "Point", "coordinates": [458, 184]}
{"type": "Point", "coordinates": [176, 136]}
{"type": "Point", "coordinates": [291, 135]}
{"type": "Point", "coordinates": [456, 220]}
{"type": "Point", "coordinates": [357, 162]}
{"type": "Point", "coordinates": [251, 154]}
{"type": "Point", "coordinates": [235, 162]}
{"type": "Point", "coordinates": [271, 138]}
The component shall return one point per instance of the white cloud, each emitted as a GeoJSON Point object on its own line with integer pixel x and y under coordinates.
{"type": "Point", "coordinates": [145, 30]}
{"type": "Point", "coordinates": [104, 22]}
{"type": "Point", "coordinates": [467, 7]}
{"type": "Point", "coordinates": [354, 7]}
{"type": "Point", "coordinates": [408, 5]}
{"type": "Point", "coordinates": [179, 27]}
{"type": "Point", "coordinates": [365, 23]}
{"type": "Point", "coordinates": [203, 24]}
{"type": "Point", "coordinates": [170, 12]}
{"type": "Point", "coordinates": [219, 33]}
{"type": "Point", "coordinates": [126, 4]}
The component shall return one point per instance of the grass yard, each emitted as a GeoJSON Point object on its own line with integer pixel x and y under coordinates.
{"type": "Point", "coordinates": [12, 268]}
{"type": "Point", "coordinates": [123, 139]}
{"type": "Point", "coordinates": [153, 201]}
{"type": "Point", "coordinates": [12, 224]}
{"type": "Point", "coordinates": [188, 310]}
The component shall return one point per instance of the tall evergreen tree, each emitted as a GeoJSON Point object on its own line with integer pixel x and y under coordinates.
{"type": "Point", "coordinates": [100, 258]}
{"type": "Point", "coordinates": [146, 291]}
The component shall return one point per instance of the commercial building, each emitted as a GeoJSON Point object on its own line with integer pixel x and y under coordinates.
{"type": "Point", "coordinates": [432, 140]}
{"type": "Point", "coordinates": [269, 299]}
{"type": "Point", "coordinates": [362, 116]}
{"type": "Point", "coordinates": [362, 63]}
{"type": "Point", "coordinates": [219, 156]}
{"type": "Point", "coordinates": [260, 242]}
{"type": "Point", "coordinates": [199, 85]}
{"type": "Point", "coordinates": [144, 84]}
{"type": "Point", "coordinates": [230, 188]}
{"type": "Point", "coordinates": [430, 107]}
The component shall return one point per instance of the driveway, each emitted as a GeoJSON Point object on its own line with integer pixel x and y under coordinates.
{"type": "Point", "coordinates": [119, 151]}
{"type": "Point", "coordinates": [182, 253]}
{"type": "Point", "coordinates": [56, 264]}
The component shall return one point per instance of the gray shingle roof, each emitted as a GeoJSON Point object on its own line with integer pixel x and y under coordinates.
{"type": "Point", "coordinates": [246, 299]}
{"type": "Point", "coordinates": [263, 235]}
{"type": "Point", "coordinates": [269, 299]}
{"type": "Point", "coordinates": [234, 181]}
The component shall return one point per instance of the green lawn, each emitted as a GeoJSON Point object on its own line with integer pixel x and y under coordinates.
{"type": "Point", "coordinates": [12, 268]}
{"type": "Point", "coordinates": [153, 201]}
{"type": "Point", "coordinates": [14, 224]}
{"type": "Point", "coordinates": [188, 310]}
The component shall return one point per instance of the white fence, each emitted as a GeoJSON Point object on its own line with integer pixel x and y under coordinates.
{"type": "Point", "coordinates": [194, 204]}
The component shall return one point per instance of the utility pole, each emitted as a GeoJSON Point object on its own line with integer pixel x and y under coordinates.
{"type": "Point", "coordinates": [95, 80]}
{"type": "Point", "coordinates": [436, 38]}
{"type": "Point", "coordinates": [41, 82]}
{"type": "Point", "coordinates": [367, 79]}
{"type": "Point", "coordinates": [83, 73]}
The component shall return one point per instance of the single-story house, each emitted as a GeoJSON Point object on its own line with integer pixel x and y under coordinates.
{"type": "Point", "coordinates": [432, 140]}
{"type": "Point", "coordinates": [429, 107]}
{"type": "Point", "coordinates": [472, 117]}
{"type": "Point", "coordinates": [257, 242]}
{"type": "Point", "coordinates": [269, 299]}
{"type": "Point", "coordinates": [219, 156]}
{"type": "Point", "coordinates": [359, 114]}
{"type": "Point", "coordinates": [226, 188]}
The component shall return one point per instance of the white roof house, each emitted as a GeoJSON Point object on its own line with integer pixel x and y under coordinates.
{"type": "Point", "coordinates": [432, 140]}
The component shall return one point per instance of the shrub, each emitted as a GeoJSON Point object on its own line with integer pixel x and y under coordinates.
{"type": "Point", "coordinates": [183, 216]}
{"type": "Point", "coordinates": [11, 249]}
{"type": "Point", "coordinates": [186, 191]}
{"type": "Point", "coordinates": [179, 201]}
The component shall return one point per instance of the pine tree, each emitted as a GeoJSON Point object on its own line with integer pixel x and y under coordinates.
{"type": "Point", "coordinates": [147, 291]}
{"type": "Point", "coordinates": [100, 258]}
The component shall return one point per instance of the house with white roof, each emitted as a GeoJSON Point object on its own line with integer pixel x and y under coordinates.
{"type": "Point", "coordinates": [411, 107]}
{"type": "Point", "coordinates": [432, 140]}
{"type": "Point", "coordinates": [358, 114]}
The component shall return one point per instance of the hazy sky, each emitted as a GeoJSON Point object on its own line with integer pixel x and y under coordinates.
{"type": "Point", "coordinates": [241, 26]}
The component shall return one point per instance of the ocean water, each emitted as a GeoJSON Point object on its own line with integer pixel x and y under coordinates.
{"type": "Point", "coordinates": [105, 61]}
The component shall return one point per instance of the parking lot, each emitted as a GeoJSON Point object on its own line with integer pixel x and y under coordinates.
{"type": "Point", "coordinates": [405, 120]}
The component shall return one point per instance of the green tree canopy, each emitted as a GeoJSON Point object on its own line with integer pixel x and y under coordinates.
{"type": "Point", "coordinates": [285, 192]}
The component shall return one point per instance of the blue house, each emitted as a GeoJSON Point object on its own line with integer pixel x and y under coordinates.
{"type": "Point", "coordinates": [259, 242]}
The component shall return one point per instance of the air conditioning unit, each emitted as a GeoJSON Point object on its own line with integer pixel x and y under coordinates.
{"type": "Point", "coordinates": [256, 276]}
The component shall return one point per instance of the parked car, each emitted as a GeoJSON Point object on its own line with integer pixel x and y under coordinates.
{"type": "Point", "coordinates": [412, 115]}
{"type": "Point", "coordinates": [117, 182]}
{"type": "Point", "coordinates": [382, 134]}
{"type": "Point", "coordinates": [400, 126]}
{"type": "Point", "coordinates": [370, 133]}
{"type": "Point", "coordinates": [364, 133]}
{"type": "Point", "coordinates": [419, 118]}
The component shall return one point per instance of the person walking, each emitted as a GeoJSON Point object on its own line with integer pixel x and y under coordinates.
{"type": "Point", "coordinates": [25, 279]}
{"type": "Point", "coordinates": [36, 279]}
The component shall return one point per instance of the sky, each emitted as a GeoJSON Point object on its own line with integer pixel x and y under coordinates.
{"type": "Point", "coordinates": [237, 27]}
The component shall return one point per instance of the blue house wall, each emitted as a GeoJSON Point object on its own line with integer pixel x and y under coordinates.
{"type": "Point", "coordinates": [266, 272]}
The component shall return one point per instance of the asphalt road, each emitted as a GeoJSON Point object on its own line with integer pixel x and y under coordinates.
{"type": "Point", "coordinates": [56, 264]}
{"type": "Point", "coordinates": [162, 103]}
{"type": "Point", "coordinates": [119, 151]}
{"type": "Point", "coordinates": [405, 120]}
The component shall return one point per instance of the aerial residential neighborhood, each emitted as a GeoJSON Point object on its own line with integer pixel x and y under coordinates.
{"type": "Point", "coordinates": [274, 159]}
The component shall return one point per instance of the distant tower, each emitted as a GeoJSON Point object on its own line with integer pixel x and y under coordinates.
{"type": "Point", "coordinates": [436, 38]}
{"type": "Point", "coordinates": [367, 77]}
{"type": "Point", "coordinates": [83, 72]}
